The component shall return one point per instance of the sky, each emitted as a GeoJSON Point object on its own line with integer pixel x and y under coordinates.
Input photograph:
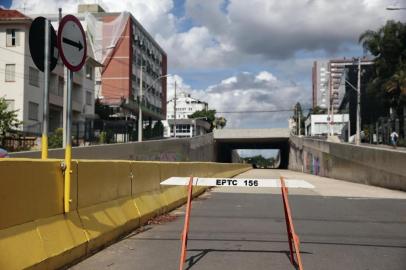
{"type": "Point", "coordinates": [241, 55]}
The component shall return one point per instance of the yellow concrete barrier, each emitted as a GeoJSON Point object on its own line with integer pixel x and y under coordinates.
{"type": "Point", "coordinates": [104, 200]}
{"type": "Point", "coordinates": [146, 190]}
{"type": "Point", "coordinates": [34, 231]}
{"type": "Point", "coordinates": [108, 199]}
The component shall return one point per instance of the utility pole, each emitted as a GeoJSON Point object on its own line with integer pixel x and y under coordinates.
{"type": "Point", "coordinates": [140, 109]}
{"type": "Point", "coordinates": [174, 115]}
{"type": "Point", "coordinates": [299, 120]}
{"type": "Point", "coordinates": [358, 129]}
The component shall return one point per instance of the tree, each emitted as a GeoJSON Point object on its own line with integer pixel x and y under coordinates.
{"type": "Point", "coordinates": [56, 139]}
{"type": "Point", "coordinates": [220, 122]}
{"type": "Point", "coordinates": [388, 46]}
{"type": "Point", "coordinates": [299, 118]}
{"type": "Point", "coordinates": [215, 122]}
{"type": "Point", "coordinates": [158, 129]}
{"type": "Point", "coordinates": [8, 119]}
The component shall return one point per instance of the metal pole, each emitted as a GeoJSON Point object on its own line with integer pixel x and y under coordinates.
{"type": "Point", "coordinates": [44, 141]}
{"type": "Point", "coordinates": [68, 148]}
{"type": "Point", "coordinates": [358, 130]}
{"type": "Point", "coordinates": [140, 109]}
{"type": "Point", "coordinates": [174, 117]}
{"type": "Point", "coordinates": [195, 131]}
{"type": "Point", "coordinates": [299, 118]}
{"type": "Point", "coordinates": [65, 96]}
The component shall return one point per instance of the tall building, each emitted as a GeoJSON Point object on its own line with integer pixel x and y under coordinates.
{"type": "Point", "coordinates": [179, 117]}
{"type": "Point", "coordinates": [21, 83]}
{"type": "Point", "coordinates": [320, 84]}
{"type": "Point", "coordinates": [123, 46]}
{"type": "Point", "coordinates": [328, 78]}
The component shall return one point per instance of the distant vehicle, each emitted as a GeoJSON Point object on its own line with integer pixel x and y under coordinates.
{"type": "Point", "coordinates": [3, 153]}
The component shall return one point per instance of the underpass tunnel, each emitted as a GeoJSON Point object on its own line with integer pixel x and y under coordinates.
{"type": "Point", "coordinates": [258, 158]}
{"type": "Point", "coordinates": [228, 151]}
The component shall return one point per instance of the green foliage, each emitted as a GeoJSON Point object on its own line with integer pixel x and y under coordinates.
{"type": "Point", "coordinates": [106, 137]}
{"type": "Point", "coordinates": [158, 130]}
{"type": "Point", "coordinates": [8, 119]}
{"type": "Point", "coordinates": [56, 139]}
{"type": "Point", "coordinates": [260, 161]}
{"type": "Point", "coordinates": [215, 122]}
{"type": "Point", "coordinates": [220, 122]}
{"type": "Point", "coordinates": [299, 117]}
{"type": "Point", "coordinates": [388, 46]}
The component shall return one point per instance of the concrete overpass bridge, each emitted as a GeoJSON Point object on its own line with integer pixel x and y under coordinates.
{"type": "Point", "coordinates": [227, 140]}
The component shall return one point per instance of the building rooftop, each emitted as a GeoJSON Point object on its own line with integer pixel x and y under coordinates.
{"type": "Point", "coordinates": [12, 15]}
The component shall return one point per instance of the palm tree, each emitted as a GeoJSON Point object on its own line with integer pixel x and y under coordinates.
{"type": "Point", "coordinates": [388, 46]}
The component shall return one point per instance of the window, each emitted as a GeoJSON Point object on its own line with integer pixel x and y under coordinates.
{"type": "Point", "coordinates": [12, 38]}
{"type": "Point", "coordinates": [88, 98]}
{"type": "Point", "coordinates": [33, 111]}
{"type": "Point", "coordinates": [10, 104]}
{"type": "Point", "coordinates": [33, 75]}
{"type": "Point", "coordinates": [182, 128]}
{"type": "Point", "coordinates": [89, 72]}
{"type": "Point", "coordinates": [10, 72]}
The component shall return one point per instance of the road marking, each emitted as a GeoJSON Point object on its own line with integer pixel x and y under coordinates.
{"type": "Point", "coordinates": [237, 182]}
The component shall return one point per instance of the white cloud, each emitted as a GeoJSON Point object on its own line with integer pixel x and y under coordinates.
{"type": "Point", "coordinates": [278, 29]}
{"type": "Point", "coordinates": [265, 76]}
{"type": "Point", "coordinates": [181, 86]}
{"type": "Point", "coordinates": [154, 15]}
{"type": "Point", "coordinates": [245, 92]}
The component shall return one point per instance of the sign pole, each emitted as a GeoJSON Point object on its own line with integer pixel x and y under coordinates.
{"type": "Point", "coordinates": [44, 141]}
{"type": "Point", "coordinates": [68, 148]}
{"type": "Point", "coordinates": [73, 52]}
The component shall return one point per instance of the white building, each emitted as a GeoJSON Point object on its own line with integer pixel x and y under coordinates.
{"type": "Point", "coordinates": [318, 124]}
{"type": "Point", "coordinates": [21, 83]}
{"type": "Point", "coordinates": [185, 127]}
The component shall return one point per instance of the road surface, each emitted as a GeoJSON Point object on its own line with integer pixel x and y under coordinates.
{"type": "Point", "coordinates": [341, 225]}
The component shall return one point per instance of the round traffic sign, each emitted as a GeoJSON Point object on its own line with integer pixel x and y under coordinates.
{"type": "Point", "coordinates": [36, 41]}
{"type": "Point", "coordinates": [72, 43]}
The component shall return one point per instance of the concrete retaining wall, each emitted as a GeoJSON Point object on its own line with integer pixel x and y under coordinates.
{"type": "Point", "coordinates": [199, 148]}
{"type": "Point", "coordinates": [362, 164]}
{"type": "Point", "coordinates": [108, 199]}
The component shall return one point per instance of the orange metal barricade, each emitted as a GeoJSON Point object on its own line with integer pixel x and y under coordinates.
{"type": "Point", "coordinates": [292, 236]}
{"type": "Point", "coordinates": [185, 232]}
{"type": "Point", "coordinates": [290, 228]}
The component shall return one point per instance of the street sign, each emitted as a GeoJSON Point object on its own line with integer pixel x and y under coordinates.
{"type": "Point", "coordinates": [36, 41]}
{"type": "Point", "coordinates": [72, 43]}
{"type": "Point", "coordinates": [237, 182]}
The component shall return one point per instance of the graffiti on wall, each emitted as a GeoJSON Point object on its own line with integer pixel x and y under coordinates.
{"type": "Point", "coordinates": [311, 163]}
{"type": "Point", "coordinates": [163, 156]}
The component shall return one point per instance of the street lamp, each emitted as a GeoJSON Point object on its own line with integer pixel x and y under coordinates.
{"type": "Point", "coordinates": [140, 101]}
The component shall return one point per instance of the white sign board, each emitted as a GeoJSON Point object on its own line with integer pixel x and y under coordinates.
{"type": "Point", "coordinates": [236, 182]}
{"type": "Point", "coordinates": [72, 43]}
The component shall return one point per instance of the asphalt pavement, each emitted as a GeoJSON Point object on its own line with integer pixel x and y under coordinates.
{"type": "Point", "coordinates": [341, 225]}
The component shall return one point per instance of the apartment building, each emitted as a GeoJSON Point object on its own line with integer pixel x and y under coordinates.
{"type": "Point", "coordinates": [21, 83]}
{"type": "Point", "coordinates": [179, 117]}
{"type": "Point", "coordinates": [124, 47]}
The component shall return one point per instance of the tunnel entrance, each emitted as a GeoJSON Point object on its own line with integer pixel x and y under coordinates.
{"type": "Point", "coordinates": [224, 149]}
{"type": "Point", "coordinates": [258, 158]}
